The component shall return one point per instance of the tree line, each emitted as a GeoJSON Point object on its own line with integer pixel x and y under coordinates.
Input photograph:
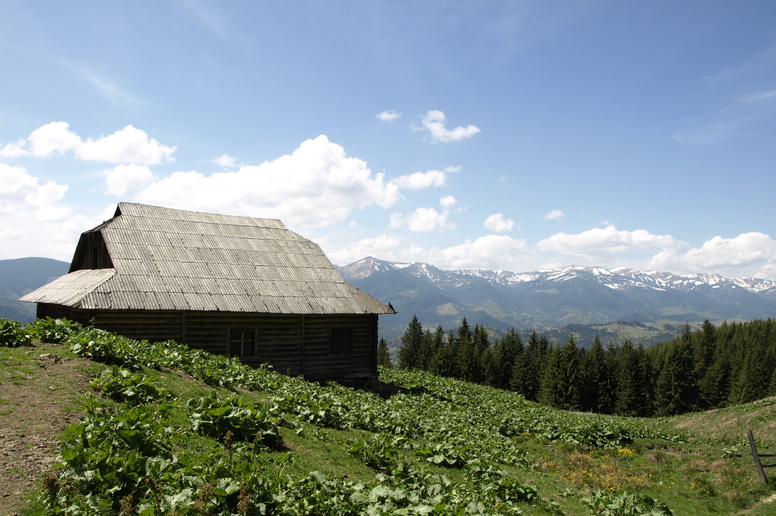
{"type": "Point", "coordinates": [707, 368]}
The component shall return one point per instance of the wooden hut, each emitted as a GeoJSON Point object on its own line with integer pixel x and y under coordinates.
{"type": "Point", "coordinates": [238, 286]}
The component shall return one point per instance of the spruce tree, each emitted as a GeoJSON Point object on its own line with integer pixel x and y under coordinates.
{"type": "Point", "coordinates": [675, 386]}
{"type": "Point", "coordinates": [523, 378]}
{"type": "Point", "coordinates": [570, 379]}
{"type": "Point", "coordinates": [551, 386]}
{"type": "Point", "coordinates": [411, 342]}
{"type": "Point", "coordinates": [383, 355]}
{"type": "Point", "coordinates": [426, 352]}
{"type": "Point", "coordinates": [505, 352]}
{"type": "Point", "coordinates": [632, 392]}
{"type": "Point", "coordinates": [596, 390]}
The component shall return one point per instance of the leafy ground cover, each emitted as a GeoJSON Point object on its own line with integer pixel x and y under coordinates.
{"type": "Point", "coordinates": [165, 429]}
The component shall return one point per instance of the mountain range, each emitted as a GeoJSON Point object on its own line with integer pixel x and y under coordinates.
{"type": "Point", "coordinates": [568, 297]}
{"type": "Point", "coordinates": [585, 300]}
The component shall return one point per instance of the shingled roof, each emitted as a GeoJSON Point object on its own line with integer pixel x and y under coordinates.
{"type": "Point", "coordinates": [153, 258]}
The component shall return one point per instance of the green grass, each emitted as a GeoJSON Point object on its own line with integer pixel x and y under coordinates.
{"type": "Point", "coordinates": [437, 444]}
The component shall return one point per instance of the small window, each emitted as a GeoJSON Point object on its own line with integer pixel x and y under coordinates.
{"type": "Point", "coordinates": [242, 343]}
{"type": "Point", "coordinates": [341, 341]}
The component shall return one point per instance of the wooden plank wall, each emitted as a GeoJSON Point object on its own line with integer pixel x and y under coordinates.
{"type": "Point", "coordinates": [63, 312]}
{"type": "Point", "coordinates": [156, 325]}
{"type": "Point", "coordinates": [291, 344]}
{"type": "Point", "coordinates": [278, 338]}
{"type": "Point", "coordinates": [320, 363]}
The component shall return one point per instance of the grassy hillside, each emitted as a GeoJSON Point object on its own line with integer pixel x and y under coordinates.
{"type": "Point", "coordinates": [165, 429]}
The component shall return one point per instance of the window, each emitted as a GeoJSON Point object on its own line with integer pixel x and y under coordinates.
{"type": "Point", "coordinates": [341, 341]}
{"type": "Point", "coordinates": [242, 343]}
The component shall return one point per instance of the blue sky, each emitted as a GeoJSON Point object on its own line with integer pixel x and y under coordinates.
{"type": "Point", "coordinates": [516, 135]}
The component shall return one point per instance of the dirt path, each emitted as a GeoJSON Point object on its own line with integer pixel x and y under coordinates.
{"type": "Point", "coordinates": [37, 388]}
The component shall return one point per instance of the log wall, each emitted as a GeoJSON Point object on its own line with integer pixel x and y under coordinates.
{"type": "Point", "coordinates": [291, 344]}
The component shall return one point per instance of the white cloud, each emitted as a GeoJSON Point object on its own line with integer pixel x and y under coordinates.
{"type": "Point", "coordinates": [423, 220]}
{"type": "Point", "coordinates": [383, 247]}
{"type": "Point", "coordinates": [490, 251]}
{"type": "Point", "coordinates": [33, 221]}
{"type": "Point", "coordinates": [498, 223]}
{"type": "Point", "coordinates": [126, 178]}
{"type": "Point", "coordinates": [598, 244]}
{"type": "Point", "coordinates": [448, 201]}
{"type": "Point", "coordinates": [388, 116]}
{"type": "Point", "coordinates": [427, 220]}
{"type": "Point", "coordinates": [554, 215]}
{"type": "Point", "coordinates": [317, 185]}
{"type": "Point", "coordinates": [46, 140]}
{"type": "Point", "coordinates": [750, 254]}
{"type": "Point", "coordinates": [127, 145]}
{"type": "Point", "coordinates": [53, 213]}
{"type": "Point", "coordinates": [20, 190]}
{"type": "Point", "coordinates": [57, 223]}
{"type": "Point", "coordinates": [419, 180]}
{"type": "Point", "coordinates": [225, 160]}
{"type": "Point", "coordinates": [434, 122]}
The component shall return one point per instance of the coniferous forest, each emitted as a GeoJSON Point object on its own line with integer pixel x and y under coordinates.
{"type": "Point", "coordinates": [707, 368]}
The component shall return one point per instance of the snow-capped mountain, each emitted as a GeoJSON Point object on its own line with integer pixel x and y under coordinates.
{"type": "Point", "coordinates": [558, 297]}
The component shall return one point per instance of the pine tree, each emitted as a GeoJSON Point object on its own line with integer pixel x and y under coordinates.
{"type": "Point", "coordinates": [468, 360]}
{"type": "Point", "coordinates": [675, 387]}
{"type": "Point", "coordinates": [488, 367]}
{"type": "Point", "coordinates": [633, 396]}
{"type": "Point", "coordinates": [523, 378]}
{"type": "Point", "coordinates": [383, 356]}
{"type": "Point", "coordinates": [505, 352]}
{"type": "Point", "coordinates": [411, 342]}
{"type": "Point", "coordinates": [426, 352]}
{"type": "Point", "coordinates": [444, 361]}
{"type": "Point", "coordinates": [551, 386]}
{"type": "Point", "coordinates": [570, 379]}
{"type": "Point", "coordinates": [596, 392]}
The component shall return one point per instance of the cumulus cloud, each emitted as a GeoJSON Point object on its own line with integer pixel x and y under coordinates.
{"type": "Point", "coordinates": [317, 185]}
{"type": "Point", "coordinates": [753, 253]}
{"type": "Point", "coordinates": [599, 244]}
{"type": "Point", "coordinates": [434, 122]}
{"type": "Point", "coordinates": [58, 223]}
{"type": "Point", "coordinates": [427, 220]}
{"type": "Point", "coordinates": [498, 223]}
{"type": "Point", "coordinates": [554, 215]}
{"type": "Point", "coordinates": [419, 180]}
{"type": "Point", "coordinates": [490, 251]}
{"type": "Point", "coordinates": [127, 145]}
{"type": "Point", "coordinates": [32, 217]}
{"type": "Point", "coordinates": [127, 178]}
{"type": "Point", "coordinates": [18, 190]}
{"type": "Point", "coordinates": [388, 116]}
{"type": "Point", "coordinates": [225, 160]}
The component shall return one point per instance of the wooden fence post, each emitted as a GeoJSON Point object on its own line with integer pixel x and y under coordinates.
{"type": "Point", "coordinates": [756, 456]}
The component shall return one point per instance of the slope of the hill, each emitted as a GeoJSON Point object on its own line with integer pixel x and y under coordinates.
{"type": "Point", "coordinates": [165, 428]}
